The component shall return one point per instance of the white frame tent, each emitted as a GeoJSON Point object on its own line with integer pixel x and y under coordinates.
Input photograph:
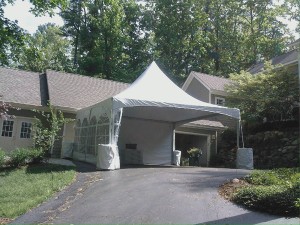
{"type": "Point", "coordinates": [150, 110]}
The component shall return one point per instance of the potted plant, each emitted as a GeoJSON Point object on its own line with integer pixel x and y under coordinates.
{"type": "Point", "coordinates": [194, 156]}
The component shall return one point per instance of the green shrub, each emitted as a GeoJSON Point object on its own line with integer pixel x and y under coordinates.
{"type": "Point", "coordinates": [23, 156]}
{"type": "Point", "coordinates": [36, 155]}
{"type": "Point", "coordinates": [19, 157]}
{"type": "Point", "coordinates": [2, 157]}
{"type": "Point", "coordinates": [263, 178]}
{"type": "Point", "coordinates": [274, 177]}
{"type": "Point", "coordinates": [275, 191]}
{"type": "Point", "coordinates": [281, 200]}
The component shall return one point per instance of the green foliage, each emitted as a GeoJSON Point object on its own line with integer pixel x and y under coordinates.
{"type": "Point", "coordinates": [109, 38]}
{"type": "Point", "coordinates": [22, 156]}
{"type": "Point", "coordinates": [46, 49]}
{"type": "Point", "coordinates": [278, 176]}
{"type": "Point", "coordinates": [194, 152]}
{"type": "Point", "coordinates": [12, 36]}
{"type": "Point", "coordinates": [36, 155]}
{"type": "Point", "coordinates": [293, 10]}
{"type": "Point", "coordinates": [270, 94]}
{"type": "Point", "coordinates": [2, 157]}
{"type": "Point", "coordinates": [217, 37]}
{"type": "Point", "coordinates": [46, 129]}
{"type": "Point", "coordinates": [116, 39]}
{"type": "Point", "coordinates": [19, 157]}
{"type": "Point", "coordinates": [276, 191]}
{"type": "Point", "coordinates": [24, 188]}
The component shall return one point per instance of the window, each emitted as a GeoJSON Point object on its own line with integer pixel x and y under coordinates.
{"type": "Point", "coordinates": [91, 142]}
{"type": "Point", "coordinates": [103, 130]}
{"type": "Point", "coordinates": [25, 130]}
{"type": "Point", "coordinates": [83, 136]}
{"type": "Point", "coordinates": [7, 128]}
{"type": "Point", "coordinates": [220, 101]}
{"type": "Point", "coordinates": [77, 135]}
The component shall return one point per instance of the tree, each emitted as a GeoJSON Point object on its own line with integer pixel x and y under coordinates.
{"type": "Point", "coordinates": [12, 36]}
{"type": "Point", "coordinates": [271, 94]}
{"type": "Point", "coordinates": [46, 49]}
{"type": "Point", "coordinates": [47, 127]}
{"type": "Point", "coordinates": [108, 37]}
{"type": "Point", "coordinates": [293, 10]}
{"type": "Point", "coordinates": [216, 37]}
{"type": "Point", "coordinates": [180, 41]}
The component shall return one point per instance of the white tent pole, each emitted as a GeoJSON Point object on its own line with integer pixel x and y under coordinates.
{"type": "Point", "coordinates": [111, 124]}
{"type": "Point", "coordinates": [242, 136]}
{"type": "Point", "coordinates": [238, 134]}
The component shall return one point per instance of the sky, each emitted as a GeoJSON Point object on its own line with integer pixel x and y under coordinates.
{"type": "Point", "coordinates": [20, 12]}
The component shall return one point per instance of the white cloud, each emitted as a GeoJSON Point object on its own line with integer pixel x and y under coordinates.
{"type": "Point", "coordinates": [20, 12]}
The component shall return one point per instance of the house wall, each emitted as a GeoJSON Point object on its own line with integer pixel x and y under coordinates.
{"type": "Point", "coordinates": [10, 143]}
{"type": "Point", "coordinates": [198, 90]}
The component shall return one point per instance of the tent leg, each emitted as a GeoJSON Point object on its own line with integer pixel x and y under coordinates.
{"type": "Point", "coordinates": [173, 144]}
{"type": "Point", "coordinates": [238, 133]}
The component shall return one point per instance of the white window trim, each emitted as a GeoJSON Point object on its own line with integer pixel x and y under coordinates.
{"type": "Point", "coordinates": [219, 98]}
{"type": "Point", "coordinates": [30, 134]}
{"type": "Point", "coordinates": [13, 128]}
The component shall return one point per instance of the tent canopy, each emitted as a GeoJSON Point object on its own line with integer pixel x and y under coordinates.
{"type": "Point", "coordinates": [154, 96]}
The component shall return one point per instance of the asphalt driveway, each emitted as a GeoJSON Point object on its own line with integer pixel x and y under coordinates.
{"type": "Point", "coordinates": [150, 195]}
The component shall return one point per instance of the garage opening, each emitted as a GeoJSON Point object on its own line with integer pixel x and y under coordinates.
{"type": "Point", "coordinates": [185, 142]}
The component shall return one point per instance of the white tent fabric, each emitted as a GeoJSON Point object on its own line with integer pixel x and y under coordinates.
{"type": "Point", "coordinates": [154, 88]}
{"type": "Point", "coordinates": [152, 103]}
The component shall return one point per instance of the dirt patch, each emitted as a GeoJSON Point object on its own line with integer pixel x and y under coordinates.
{"type": "Point", "coordinates": [5, 220]}
{"type": "Point", "coordinates": [228, 189]}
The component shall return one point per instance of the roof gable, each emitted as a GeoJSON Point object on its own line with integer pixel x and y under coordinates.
{"type": "Point", "coordinates": [212, 83]}
{"type": "Point", "coordinates": [22, 87]}
{"type": "Point", "coordinates": [73, 91]}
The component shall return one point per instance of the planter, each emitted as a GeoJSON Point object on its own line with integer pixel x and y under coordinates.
{"type": "Point", "coordinates": [194, 161]}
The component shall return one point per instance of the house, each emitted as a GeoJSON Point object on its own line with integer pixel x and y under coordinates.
{"type": "Point", "coordinates": [290, 60]}
{"type": "Point", "coordinates": [210, 89]}
{"type": "Point", "coordinates": [29, 90]}
{"type": "Point", "coordinates": [71, 93]}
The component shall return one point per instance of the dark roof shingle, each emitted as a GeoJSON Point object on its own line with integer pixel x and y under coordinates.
{"type": "Point", "coordinates": [22, 87]}
{"type": "Point", "coordinates": [77, 91]}
{"type": "Point", "coordinates": [281, 59]}
{"type": "Point", "coordinates": [207, 123]}
{"type": "Point", "coordinates": [213, 82]}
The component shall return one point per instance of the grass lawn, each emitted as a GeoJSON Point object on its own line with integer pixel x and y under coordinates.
{"type": "Point", "coordinates": [274, 191]}
{"type": "Point", "coordinates": [24, 188]}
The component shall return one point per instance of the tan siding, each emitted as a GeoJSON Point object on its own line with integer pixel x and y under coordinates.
{"type": "Point", "coordinates": [198, 90]}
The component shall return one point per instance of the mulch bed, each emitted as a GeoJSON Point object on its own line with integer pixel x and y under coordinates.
{"type": "Point", "coordinates": [228, 189]}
